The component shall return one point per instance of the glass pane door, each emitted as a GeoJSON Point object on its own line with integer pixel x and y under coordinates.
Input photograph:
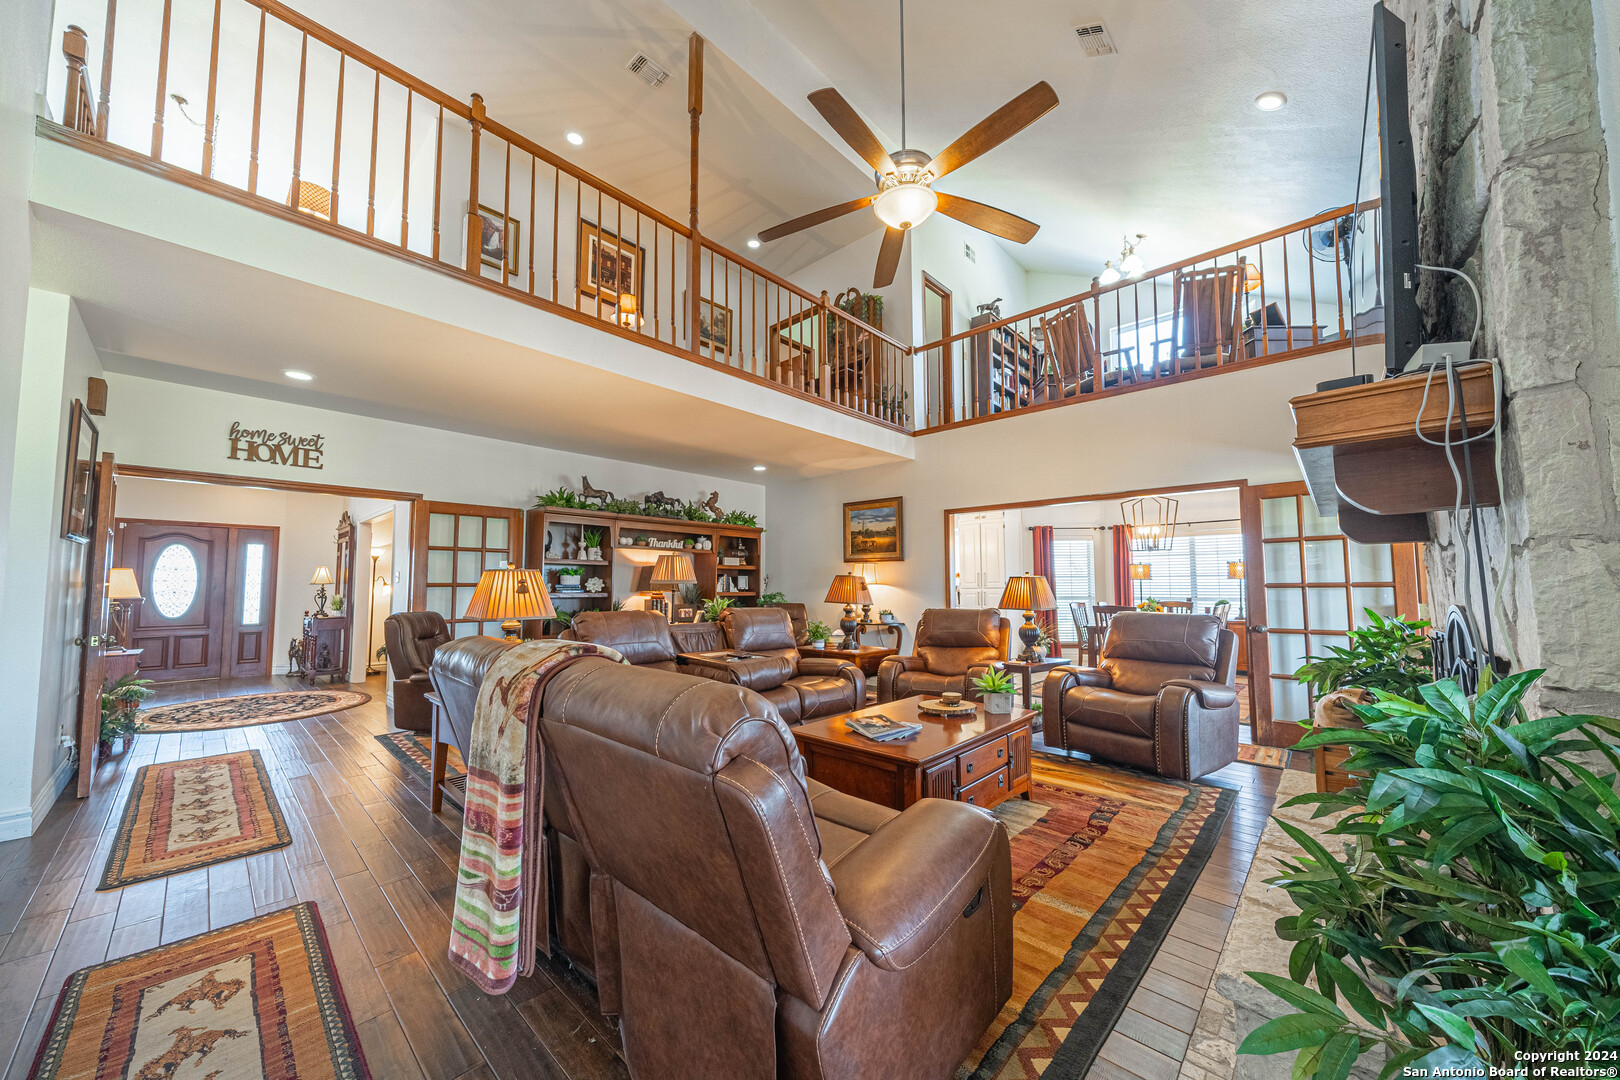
{"type": "Point", "coordinates": [455, 545]}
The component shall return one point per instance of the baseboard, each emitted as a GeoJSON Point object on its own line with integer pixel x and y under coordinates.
{"type": "Point", "coordinates": [19, 823]}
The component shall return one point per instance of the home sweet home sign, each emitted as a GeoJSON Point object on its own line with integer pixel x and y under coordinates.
{"type": "Point", "coordinates": [267, 447]}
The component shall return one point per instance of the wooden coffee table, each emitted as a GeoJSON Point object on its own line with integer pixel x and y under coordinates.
{"type": "Point", "coordinates": [983, 760]}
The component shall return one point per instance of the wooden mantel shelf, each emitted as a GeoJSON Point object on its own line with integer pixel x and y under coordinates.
{"type": "Point", "coordinates": [1362, 459]}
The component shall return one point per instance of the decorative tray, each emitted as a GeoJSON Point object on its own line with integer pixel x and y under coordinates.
{"type": "Point", "coordinates": [936, 707]}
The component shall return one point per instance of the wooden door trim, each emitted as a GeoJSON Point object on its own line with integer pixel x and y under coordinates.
{"type": "Point", "coordinates": [157, 473]}
{"type": "Point", "coordinates": [233, 612]}
{"type": "Point", "coordinates": [947, 328]}
{"type": "Point", "coordinates": [421, 518]}
{"type": "Point", "coordinates": [104, 536]}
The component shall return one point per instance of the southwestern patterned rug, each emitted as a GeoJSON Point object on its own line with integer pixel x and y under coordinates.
{"type": "Point", "coordinates": [246, 710]}
{"type": "Point", "coordinates": [415, 751]}
{"type": "Point", "coordinates": [1103, 860]}
{"type": "Point", "coordinates": [257, 1000]}
{"type": "Point", "coordinates": [186, 814]}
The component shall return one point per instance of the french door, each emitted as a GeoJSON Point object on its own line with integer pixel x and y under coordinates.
{"type": "Point", "coordinates": [453, 544]}
{"type": "Point", "coordinates": [1308, 587]}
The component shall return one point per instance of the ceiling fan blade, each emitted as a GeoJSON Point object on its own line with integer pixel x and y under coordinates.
{"type": "Point", "coordinates": [888, 258]}
{"type": "Point", "coordinates": [996, 128]}
{"type": "Point", "coordinates": [999, 222]}
{"type": "Point", "coordinates": [776, 232]}
{"type": "Point", "coordinates": [852, 129]}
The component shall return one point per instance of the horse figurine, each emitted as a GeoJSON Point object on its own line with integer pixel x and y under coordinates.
{"type": "Point", "coordinates": [658, 500]}
{"type": "Point", "coordinates": [713, 505]}
{"type": "Point", "coordinates": [601, 497]}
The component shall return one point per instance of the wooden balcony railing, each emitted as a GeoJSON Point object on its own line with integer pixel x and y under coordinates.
{"type": "Point", "coordinates": [301, 122]}
{"type": "Point", "coordinates": [1271, 297]}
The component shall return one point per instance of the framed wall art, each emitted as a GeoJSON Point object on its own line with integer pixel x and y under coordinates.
{"type": "Point", "coordinates": [874, 531]}
{"type": "Point", "coordinates": [608, 266]}
{"type": "Point", "coordinates": [499, 239]}
{"type": "Point", "coordinates": [78, 489]}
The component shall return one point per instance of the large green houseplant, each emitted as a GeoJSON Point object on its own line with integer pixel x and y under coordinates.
{"type": "Point", "coordinates": [120, 702]}
{"type": "Point", "coordinates": [1473, 914]}
{"type": "Point", "coordinates": [1387, 654]}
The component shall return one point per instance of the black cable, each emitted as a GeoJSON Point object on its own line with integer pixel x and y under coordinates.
{"type": "Point", "coordinates": [1355, 211]}
{"type": "Point", "coordinates": [1455, 381]}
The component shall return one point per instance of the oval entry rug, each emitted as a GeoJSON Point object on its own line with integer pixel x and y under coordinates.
{"type": "Point", "coordinates": [246, 710]}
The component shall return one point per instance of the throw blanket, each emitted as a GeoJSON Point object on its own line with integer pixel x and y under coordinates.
{"type": "Point", "coordinates": [501, 883]}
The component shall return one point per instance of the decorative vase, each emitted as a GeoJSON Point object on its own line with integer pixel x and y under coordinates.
{"type": "Point", "coordinates": [998, 703]}
{"type": "Point", "coordinates": [595, 554]}
{"type": "Point", "coordinates": [822, 644]}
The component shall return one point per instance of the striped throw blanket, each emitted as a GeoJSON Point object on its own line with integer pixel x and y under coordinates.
{"type": "Point", "coordinates": [501, 883]}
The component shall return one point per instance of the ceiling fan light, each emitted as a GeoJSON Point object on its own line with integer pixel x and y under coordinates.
{"type": "Point", "coordinates": [906, 204]}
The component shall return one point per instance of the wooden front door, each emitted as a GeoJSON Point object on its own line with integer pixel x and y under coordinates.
{"type": "Point", "coordinates": [1308, 586]}
{"type": "Point", "coordinates": [94, 640]}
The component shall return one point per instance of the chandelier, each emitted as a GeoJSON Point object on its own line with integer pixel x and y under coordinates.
{"type": "Point", "coordinates": [1150, 522]}
{"type": "Point", "coordinates": [1129, 265]}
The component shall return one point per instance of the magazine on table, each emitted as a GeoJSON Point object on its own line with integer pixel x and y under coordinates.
{"type": "Point", "coordinates": [882, 729]}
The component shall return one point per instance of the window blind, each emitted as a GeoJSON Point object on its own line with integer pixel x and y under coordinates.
{"type": "Point", "coordinates": [1073, 577]}
{"type": "Point", "coordinates": [1194, 568]}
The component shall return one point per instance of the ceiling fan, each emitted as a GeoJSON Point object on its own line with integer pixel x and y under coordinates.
{"type": "Point", "coordinates": [905, 196]}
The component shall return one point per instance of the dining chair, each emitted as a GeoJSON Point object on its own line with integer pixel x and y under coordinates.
{"type": "Point", "coordinates": [1208, 326]}
{"type": "Point", "coordinates": [1080, 612]}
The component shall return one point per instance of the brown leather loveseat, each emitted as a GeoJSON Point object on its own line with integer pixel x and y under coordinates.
{"type": "Point", "coordinates": [1163, 698]}
{"type": "Point", "coordinates": [411, 638]}
{"type": "Point", "coordinates": [801, 688]}
{"type": "Point", "coordinates": [644, 638]}
{"type": "Point", "coordinates": [731, 940]}
{"type": "Point", "coordinates": [954, 646]}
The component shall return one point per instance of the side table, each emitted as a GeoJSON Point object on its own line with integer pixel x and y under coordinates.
{"type": "Point", "coordinates": [898, 629]}
{"type": "Point", "coordinates": [866, 657]}
{"type": "Point", "coordinates": [1030, 670]}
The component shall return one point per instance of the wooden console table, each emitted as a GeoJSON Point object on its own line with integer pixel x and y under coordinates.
{"type": "Point", "coordinates": [326, 647]}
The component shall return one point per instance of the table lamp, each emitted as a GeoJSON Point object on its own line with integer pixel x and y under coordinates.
{"type": "Point", "coordinates": [122, 587]}
{"type": "Point", "coordinates": [849, 590]}
{"type": "Point", "coordinates": [510, 595]}
{"type": "Point", "coordinates": [1236, 571]}
{"type": "Point", "coordinates": [868, 574]}
{"type": "Point", "coordinates": [1140, 571]}
{"type": "Point", "coordinates": [1031, 593]}
{"type": "Point", "coordinates": [323, 578]}
{"type": "Point", "coordinates": [629, 316]}
{"type": "Point", "coordinates": [671, 572]}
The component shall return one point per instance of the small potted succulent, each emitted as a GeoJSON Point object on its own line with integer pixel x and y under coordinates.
{"type": "Point", "coordinates": [568, 579]}
{"type": "Point", "coordinates": [591, 540]}
{"type": "Point", "coordinates": [995, 690]}
{"type": "Point", "coordinates": [819, 632]}
{"type": "Point", "coordinates": [885, 615]}
{"type": "Point", "coordinates": [641, 540]}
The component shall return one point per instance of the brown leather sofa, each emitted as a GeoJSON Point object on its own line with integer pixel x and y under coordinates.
{"type": "Point", "coordinates": [731, 938]}
{"type": "Point", "coordinates": [954, 646]}
{"type": "Point", "coordinates": [644, 638]}
{"type": "Point", "coordinates": [799, 615]}
{"type": "Point", "coordinates": [1164, 697]}
{"type": "Point", "coordinates": [801, 688]}
{"type": "Point", "coordinates": [411, 638]}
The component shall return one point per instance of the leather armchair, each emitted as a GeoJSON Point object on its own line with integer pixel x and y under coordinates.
{"type": "Point", "coordinates": [954, 646]}
{"type": "Point", "coordinates": [645, 638]}
{"type": "Point", "coordinates": [411, 638]}
{"type": "Point", "coordinates": [801, 688]}
{"type": "Point", "coordinates": [799, 615]}
{"type": "Point", "coordinates": [740, 945]}
{"type": "Point", "coordinates": [1164, 697]}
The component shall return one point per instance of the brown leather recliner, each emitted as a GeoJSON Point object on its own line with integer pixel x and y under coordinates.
{"type": "Point", "coordinates": [1164, 697]}
{"type": "Point", "coordinates": [842, 821]}
{"type": "Point", "coordinates": [644, 638]}
{"type": "Point", "coordinates": [954, 646]}
{"type": "Point", "coordinates": [411, 638]}
{"type": "Point", "coordinates": [801, 688]}
{"type": "Point", "coordinates": [800, 617]}
{"type": "Point", "coordinates": [739, 947]}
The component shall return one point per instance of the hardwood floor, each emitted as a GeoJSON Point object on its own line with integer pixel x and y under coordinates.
{"type": "Point", "coordinates": [382, 868]}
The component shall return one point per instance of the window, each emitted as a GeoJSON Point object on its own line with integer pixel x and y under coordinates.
{"type": "Point", "coordinates": [1073, 578]}
{"type": "Point", "coordinates": [1139, 338]}
{"type": "Point", "coordinates": [253, 583]}
{"type": "Point", "coordinates": [1194, 568]}
{"type": "Point", "coordinates": [174, 581]}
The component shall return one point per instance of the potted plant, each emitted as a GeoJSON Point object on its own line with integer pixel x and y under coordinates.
{"type": "Point", "coordinates": [715, 607]}
{"type": "Point", "coordinates": [1391, 655]}
{"type": "Point", "coordinates": [1464, 912]}
{"type": "Point", "coordinates": [995, 690]}
{"type": "Point", "coordinates": [119, 703]}
{"type": "Point", "coordinates": [1150, 604]}
{"type": "Point", "coordinates": [591, 539]}
{"type": "Point", "coordinates": [641, 540]}
{"type": "Point", "coordinates": [1043, 640]}
{"type": "Point", "coordinates": [568, 579]}
{"type": "Point", "coordinates": [885, 615]}
{"type": "Point", "coordinates": [337, 605]}
{"type": "Point", "coordinates": [819, 632]}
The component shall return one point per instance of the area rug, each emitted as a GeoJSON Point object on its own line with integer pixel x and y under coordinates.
{"type": "Point", "coordinates": [247, 710]}
{"type": "Point", "coordinates": [415, 751]}
{"type": "Point", "coordinates": [256, 1000]}
{"type": "Point", "coordinates": [1272, 757]}
{"type": "Point", "coordinates": [1103, 860]}
{"type": "Point", "coordinates": [183, 815]}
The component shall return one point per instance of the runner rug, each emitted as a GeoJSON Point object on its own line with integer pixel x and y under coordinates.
{"type": "Point", "coordinates": [415, 751]}
{"type": "Point", "coordinates": [256, 1000]}
{"type": "Point", "coordinates": [245, 710]}
{"type": "Point", "coordinates": [183, 815]}
{"type": "Point", "coordinates": [1103, 860]}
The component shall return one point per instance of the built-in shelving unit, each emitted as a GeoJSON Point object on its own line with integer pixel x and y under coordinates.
{"type": "Point", "coordinates": [1006, 365]}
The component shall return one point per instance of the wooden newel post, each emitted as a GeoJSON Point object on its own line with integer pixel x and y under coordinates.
{"type": "Point", "coordinates": [106, 69]}
{"type": "Point", "coordinates": [694, 109]}
{"type": "Point", "coordinates": [77, 112]}
{"type": "Point", "coordinates": [824, 360]}
{"type": "Point", "coordinates": [475, 227]}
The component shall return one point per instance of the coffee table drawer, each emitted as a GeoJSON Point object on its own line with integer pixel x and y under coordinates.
{"type": "Point", "coordinates": [987, 792]}
{"type": "Point", "coordinates": [975, 765]}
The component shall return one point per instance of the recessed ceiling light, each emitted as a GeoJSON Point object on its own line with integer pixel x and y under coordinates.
{"type": "Point", "coordinates": [1271, 101]}
{"type": "Point", "coordinates": [753, 241]}
{"type": "Point", "coordinates": [295, 374]}
{"type": "Point", "coordinates": [575, 138]}
{"type": "Point", "coordinates": [759, 468]}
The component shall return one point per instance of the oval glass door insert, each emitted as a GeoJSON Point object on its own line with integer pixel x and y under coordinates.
{"type": "Point", "coordinates": [174, 581]}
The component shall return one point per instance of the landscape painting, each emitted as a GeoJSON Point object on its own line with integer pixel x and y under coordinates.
{"type": "Point", "coordinates": [874, 531]}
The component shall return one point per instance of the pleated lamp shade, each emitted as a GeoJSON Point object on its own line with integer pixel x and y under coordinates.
{"type": "Point", "coordinates": [121, 584]}
{"type": "Point", "coordinates": [510, 595]}
{"type": "Point", "coordinates": [848, 589]}
{"type": "Point", "coordinates": [1028, 592]}
{"type": "Point", "coordinates": [673, 570]}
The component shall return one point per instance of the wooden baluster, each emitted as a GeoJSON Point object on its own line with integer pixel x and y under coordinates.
{"type": "Point", "coordinates": [258, 102]}
{"type": "Point", "coordinates": [438, 176]}
{"type": "Point", "coordinates": [162, 83]}
{"type": "Point", "coordinates": [1154, 360]}
{"type": "Point", "coordinates": [1338, 284]}
{"type": "Point", "coordinates": [405, 187]}
{"type": "Point", "coordinates": [1260, 262]}
{"type": "Point", "coordinates": [103, 106]}
{"type": "Point", "coordinates": [213, 87]}
{"type": "Point", "coordinates": [337, 134]}
{"type": "Point", "coordinates": [1098, 365]}
{"type": "Point", "coordinates": [1310, 268]}
{"type": "Point", "coordinates": [506, 217]}
{"type": "Point", "coordinates": [294, 196]}
{"type": "Point", "coordinates": [641, 273]}
{"type": "Point", "coordinates": [531, 223]}
{"type": "Point", "coordinates": [75, 45]}
{"type": "Point", "coordinates": [618, 232]}
{"type": "Point", "coordinates": [694, 110]}
{"type": "Point", "coordinates": [1288, 301]}
{"type": "Point", "coordinates": [371, 183]}
{"type": "Point", "coordinates": [556, 219]}
{"type": "Point", "coordinates": [824, 353]}
{"type": "Point", "coordinates": [596, 271]}
{"type": "Point", "coordinates": [475, 228]}
{"type": "Point", "coordinates": [657, 330]}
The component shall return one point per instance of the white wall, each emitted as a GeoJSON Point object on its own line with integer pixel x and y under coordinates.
{"type": "Point", "coordinates": [1233, 426]}
{"type": "Point", "coordinates": [307, 524]}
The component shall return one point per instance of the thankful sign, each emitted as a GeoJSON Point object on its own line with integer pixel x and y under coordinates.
{"type": "Point", "coordinates": [276, 447]}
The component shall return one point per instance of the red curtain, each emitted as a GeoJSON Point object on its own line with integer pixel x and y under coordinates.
{"type": "Point", "coordinates": [1124, 593]}
{"type": "Point", "coordinates": [1042, 536]}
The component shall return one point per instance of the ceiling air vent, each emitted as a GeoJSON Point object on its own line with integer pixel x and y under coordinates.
{"type": "Point", "coordinates": [1095, 39]}
{"type": "Point", "coordinates": [643, 68]}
